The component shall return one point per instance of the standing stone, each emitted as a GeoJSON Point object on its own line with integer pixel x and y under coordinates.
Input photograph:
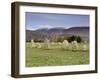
{"type": "Point", "coordinates": [32, 44]}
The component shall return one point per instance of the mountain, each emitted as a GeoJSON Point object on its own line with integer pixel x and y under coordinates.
{"type": "Point", "coordinates": [35, 35]}
{"type": "Point", "coordinates": [41, 34]}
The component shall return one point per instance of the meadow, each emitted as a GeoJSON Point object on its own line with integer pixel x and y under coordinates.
{"type": "Point", "coordinates": [55, 56]}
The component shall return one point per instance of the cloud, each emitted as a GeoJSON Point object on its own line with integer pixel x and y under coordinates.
{"type": "Point", "coordinates": [46, 26]}
{"type": "Point", "coordinates": [39, 27]}
{"type": "Point", "coordinates": [30, 28]}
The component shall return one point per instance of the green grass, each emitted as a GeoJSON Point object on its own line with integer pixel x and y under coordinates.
{"type": "Point", "coordinates": [55, 56]}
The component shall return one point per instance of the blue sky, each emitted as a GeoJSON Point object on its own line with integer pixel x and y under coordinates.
{"type": "Point", "coordinates": [35, 21]}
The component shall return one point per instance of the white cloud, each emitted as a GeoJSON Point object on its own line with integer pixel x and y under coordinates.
{"type": "Point", "coordinates": [39, 27]}
{"type": "Point", "coordinates": [46, 26]}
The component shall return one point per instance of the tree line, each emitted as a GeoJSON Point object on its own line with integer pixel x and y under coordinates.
{"type": "Point", "coordinates": [62, 38]}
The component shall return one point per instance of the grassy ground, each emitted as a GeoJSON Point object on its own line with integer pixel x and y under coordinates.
{"type": "Point", "coordinates": [55, 56]}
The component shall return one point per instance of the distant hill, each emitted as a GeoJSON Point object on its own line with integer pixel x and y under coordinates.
{"type": "Point", "coordinates": [41, 34]}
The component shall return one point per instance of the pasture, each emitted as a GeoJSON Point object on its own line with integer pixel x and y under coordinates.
{"type": "Point", "coordinates": [56, 55]}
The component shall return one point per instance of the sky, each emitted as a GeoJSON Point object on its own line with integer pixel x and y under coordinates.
{"type": "Point", "coordinates": [34, 21]}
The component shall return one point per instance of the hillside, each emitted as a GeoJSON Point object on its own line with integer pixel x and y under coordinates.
{"type": "Point", "coordinates": [41, 34]}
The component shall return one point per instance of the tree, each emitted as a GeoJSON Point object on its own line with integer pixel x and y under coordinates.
{"type": "Point", "coordinates": [79, 39]}
{"type": "Point", "coordinates": [72, 38]}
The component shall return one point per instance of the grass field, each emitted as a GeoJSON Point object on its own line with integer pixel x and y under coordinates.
{"type": "Point", "coordinates": [55, 56]}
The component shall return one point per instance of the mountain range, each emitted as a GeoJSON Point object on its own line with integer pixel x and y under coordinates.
{"type": "Point", "coordinates": [41, 34]}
